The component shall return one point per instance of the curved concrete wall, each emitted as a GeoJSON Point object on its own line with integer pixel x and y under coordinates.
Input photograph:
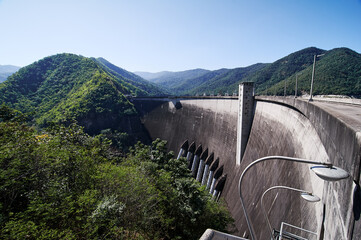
{"type": "Point", "coordinates": [279, 130]}
{"type": "Point", "coordinates": [276, 130]}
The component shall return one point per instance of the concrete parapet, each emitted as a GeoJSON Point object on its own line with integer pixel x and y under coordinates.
{"type": "Point", "coordinates": [211, 234]}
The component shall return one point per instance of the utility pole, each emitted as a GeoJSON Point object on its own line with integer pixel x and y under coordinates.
{"type": "Point", "coordinates": [296, 84]}
{"type": "Point", "coordinates": [313, 74]}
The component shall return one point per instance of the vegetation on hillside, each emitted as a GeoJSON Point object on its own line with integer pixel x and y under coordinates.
{"type": "Point", "coordinates": [63, 184]}
{"type": "Point", "coordinates": [226, 82]}
{"type": "Point", "coordinates": [172, 80]}
{"type": "Point", "coordinates": [144, 87]}
{"type": "Point", "coordinates": [67, 87]}
{"type": "Point", "coordinates": [337, 72]}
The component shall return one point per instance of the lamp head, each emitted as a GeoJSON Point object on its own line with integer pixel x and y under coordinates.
{"type": "Point", "coordinates": [330, 173]}
{"type": "Point", "coordinates": [310, 197]}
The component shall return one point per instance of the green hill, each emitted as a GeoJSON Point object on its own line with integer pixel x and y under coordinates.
{"type": "Point", "coordinates": [131, 78]}
{"type": "Point", "coordinates": [225, 82]}
{"type": "Point", "coordinates": [172, 80]}
{"type": "Point", "coordinates": [64, 87]}
{"type": "Point", "coordinates": [283, 68]}
{"type": "Point", "coordinates": [185, 87]}
{"type": "Point", "coordinates": [264, 75]}
{"type": "Point", "coordinates": [337, 72]}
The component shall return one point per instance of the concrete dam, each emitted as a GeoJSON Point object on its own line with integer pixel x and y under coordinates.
{"type": "Point", "coordinates": [239, 130]}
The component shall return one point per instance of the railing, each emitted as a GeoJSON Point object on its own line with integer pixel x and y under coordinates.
{"type": "Point", "coordinates": [286, 235]}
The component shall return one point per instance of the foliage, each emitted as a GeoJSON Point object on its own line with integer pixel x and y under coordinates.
{"type": "Point", "coordinates": [145, 88]}
{"type": "Point", "coordinates": [64, 184]}
{"type": "Point", "coordinates": [227, 81]}
{"type": "Point", "coordinates": [65, 87]}
{"type": "Point", "coordinates": [8, 114]}
{"type": "Point", "coordinates": [337, 72]}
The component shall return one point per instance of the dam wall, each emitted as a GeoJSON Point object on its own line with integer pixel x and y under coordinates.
{"type": "Point", "coordinates": [294, 129]}
{"type": "Point", "coordinates": [341, 137]}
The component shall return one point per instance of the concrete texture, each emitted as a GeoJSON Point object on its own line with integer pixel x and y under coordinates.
{"type": "Point", "coordinates": [245, 117]}
{"type": "Point", "coordinates": [338, 127]}
{"type": "Point", "coordinates": [211, 234]}
{"type": "Point", "coordinates": [281, 126]}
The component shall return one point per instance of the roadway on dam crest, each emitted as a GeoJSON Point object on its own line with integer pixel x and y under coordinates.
{"type": "Point", "coordinates": [350, 114]}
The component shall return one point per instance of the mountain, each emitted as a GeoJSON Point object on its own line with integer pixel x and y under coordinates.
{"type": "Point", "coordinates": [170, 80]}
{"type": "Point", "coordinates": [64, 87]}
{"type": "Point", "coordinates": [337, 72]}
{"type": "Point", "coordinates": [264, 75]}
{"type": "Point", "coordinates": [6, 71]}
{"type": "Point", "coordinates": [188, 85]}
{"type": "Point", "coordinates": [151, 76]}
{"type": "Point", "coordinates": [283, 68]}
{"type": "Point", "coordinates": [224, 80]}
{"type": "Point", "coordinates": [131, 78]}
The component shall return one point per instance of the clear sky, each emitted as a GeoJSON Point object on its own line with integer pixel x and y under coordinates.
{"type": "Point", "coordinates": [175, 35]}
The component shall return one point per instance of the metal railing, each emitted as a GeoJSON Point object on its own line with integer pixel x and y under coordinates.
{"type": "Point", "coordinates": [286, 235]}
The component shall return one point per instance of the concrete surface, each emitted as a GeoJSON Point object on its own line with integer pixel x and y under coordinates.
{"type": "Point", "coordinates": [211, 234]}
{"type": "Point", "coordinates": [281, 126]}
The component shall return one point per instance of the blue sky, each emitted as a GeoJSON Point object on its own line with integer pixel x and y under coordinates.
{"type": "Point", "coordinates": [175, 35]}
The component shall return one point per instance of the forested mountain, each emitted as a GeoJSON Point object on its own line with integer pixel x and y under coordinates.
{"type": "Point", "coordinates": [131, 78]}
{"type": "Point", "coordinates": [185, 87]}
{"type": "Point", "coordinates": [225, 82]}
{"type": "Point", "coordinates": [264, 75]}
{"type": "Point", "coordinates": [170, 80]}
{"type": "Point", "coordinates": [283, 68]}
{"type": "Point", "coordinates": [64, 87]}
{"type": "Point", "coordinates": [7, 70]}
{"type": "Point", "coordinates": [338, 71]}
{"type": "Point", "coordinates": [59, 182]}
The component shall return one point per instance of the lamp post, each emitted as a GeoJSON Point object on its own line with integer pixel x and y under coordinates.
{"type": "Point", "coordinates": [313, 74]}
{"type": "Point", "coordinates": [296, 84]}
{"type": "Point", "coordinates": [324, 170]}
{"type": "Point", "coordinates": [304, 194]}
{"type": "Point", "coordinates": [284, 91]}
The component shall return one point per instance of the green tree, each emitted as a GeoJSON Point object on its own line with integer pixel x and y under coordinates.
{"type": "Point", "coordinates": [64, 184]}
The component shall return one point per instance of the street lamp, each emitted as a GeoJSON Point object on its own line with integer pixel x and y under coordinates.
{"type": "Point", "coordinates": [284, 91]}
{"type": "Point", "coordinates": [304, 194]}
{"type": "Point", "coordinates": [296, 84]}
{"type": "Point", "coordinates": [324, 170]}
{"type": "Point", "coordinates": [313, 74]}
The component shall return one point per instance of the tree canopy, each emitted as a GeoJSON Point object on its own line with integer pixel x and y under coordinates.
{"type": "Point", "coordinates": [61, 183]}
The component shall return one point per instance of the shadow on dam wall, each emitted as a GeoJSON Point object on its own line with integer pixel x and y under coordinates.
{"type": "Point", "coordinates": [276, 130]}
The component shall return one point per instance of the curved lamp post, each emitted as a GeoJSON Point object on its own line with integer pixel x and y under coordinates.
{"type": "Point", "coordinates": [304, 194]}
{"type": "Point", "coordinates": [313, 74]}
{"type": "Point", "coordinates": [324, 170]}
{"type": "Point", "coordinates": [297, 74]}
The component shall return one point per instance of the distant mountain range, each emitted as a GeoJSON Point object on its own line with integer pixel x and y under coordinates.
{"type": "Point", "coordinates": [6, 71]}
{"type": "Point", "coordinates": [171, 79]}
{"type": "Point", "coordinates": [337, 72]}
